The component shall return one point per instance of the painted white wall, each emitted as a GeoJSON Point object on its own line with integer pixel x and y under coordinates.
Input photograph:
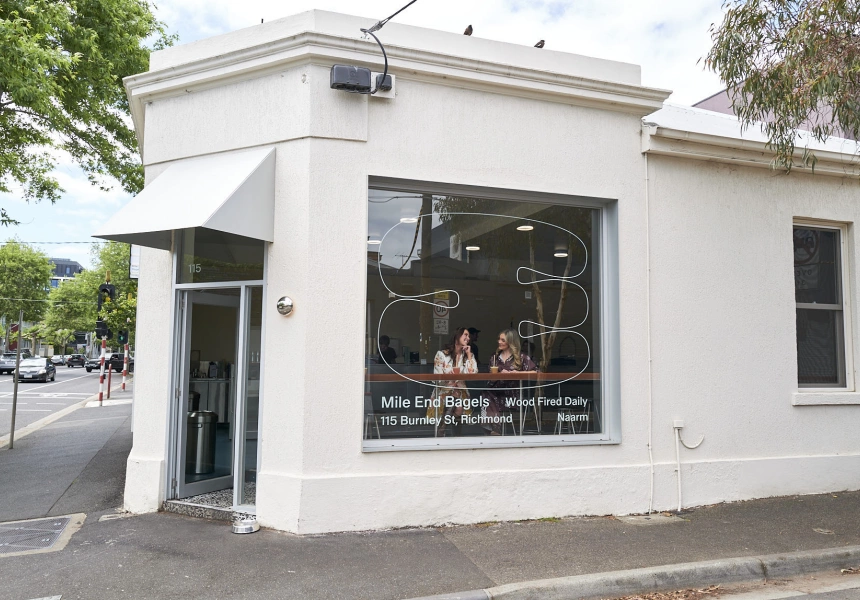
{"type": "Point", "coordinates": [721, 298]}
{"type": "Point", "coordinates": [723, 335]}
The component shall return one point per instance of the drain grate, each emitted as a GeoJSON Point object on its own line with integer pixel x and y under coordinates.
{"type": "Point", "coordinates": [39, 534]}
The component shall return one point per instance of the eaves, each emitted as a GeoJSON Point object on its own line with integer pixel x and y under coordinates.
{"type": "Point", "coordinates": [407, 63]}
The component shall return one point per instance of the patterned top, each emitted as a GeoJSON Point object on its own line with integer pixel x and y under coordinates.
{"type": "Point", "coordinates": [445, 364]}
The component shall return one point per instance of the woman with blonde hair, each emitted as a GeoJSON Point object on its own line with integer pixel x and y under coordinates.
{"type": "Point", "coordinates": [509, 357]}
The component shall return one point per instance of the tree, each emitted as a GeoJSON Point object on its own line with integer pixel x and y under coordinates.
{"type": "Point", "coordinates": [74, 303]}
{"type": "Point", "coordinates": [463, 214]}
{"type": "Point", "coordinates": [25, 278]}
{"type": "Point", "coordinates": [61, 68]}
{"type": "Point", "coordinates": [791, 64]}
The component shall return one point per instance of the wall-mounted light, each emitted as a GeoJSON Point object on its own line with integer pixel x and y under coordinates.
{"type": "Point", "coordinates": [525, 228]}
{"type": "Point", "coordinates": [473, 248]}
{"type": "Point", "coordinates": [285, 305]}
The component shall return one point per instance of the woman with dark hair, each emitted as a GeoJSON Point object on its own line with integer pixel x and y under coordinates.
{"type": "Point", "coordinates": [455, 358]}
{"type": "Point", "coordinates": [509, 357]}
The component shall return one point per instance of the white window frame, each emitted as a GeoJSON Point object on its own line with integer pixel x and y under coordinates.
{"type": "Point", "coordinates": [845, 394]}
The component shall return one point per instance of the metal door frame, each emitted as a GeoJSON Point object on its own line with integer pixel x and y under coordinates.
{"type": "Point", "coordinates": [185, 299]}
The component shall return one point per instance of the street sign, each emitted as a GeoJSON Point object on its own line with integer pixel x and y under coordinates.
{"type": "Point", "coordinates": [440, 309]}
{"type": "Point", "coordinates": [440, 326]}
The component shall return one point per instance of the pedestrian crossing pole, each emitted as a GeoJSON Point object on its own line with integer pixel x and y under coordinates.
{"type": "Point", "coordinates": [102, 371]}
{"type": "Point", "coordinates": [16, 374]}
{"type": "Point", "coordinates": [124, 366]}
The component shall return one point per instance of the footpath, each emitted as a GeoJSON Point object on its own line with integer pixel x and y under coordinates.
{"type": "Point", "coordinates": [76, 465]}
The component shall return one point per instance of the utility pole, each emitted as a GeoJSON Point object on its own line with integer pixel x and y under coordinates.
{"type": "Point", "coordinates": [16, 375]}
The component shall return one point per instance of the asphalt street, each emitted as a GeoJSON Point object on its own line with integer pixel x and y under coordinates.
{"type": "Point", "coordinates": [38, 400]}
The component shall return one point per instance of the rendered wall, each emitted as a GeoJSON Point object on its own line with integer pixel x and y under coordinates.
{"type": "Point", "coordinates": [722, 309]}
{"type": "Point", "coordinates": [723, 333]}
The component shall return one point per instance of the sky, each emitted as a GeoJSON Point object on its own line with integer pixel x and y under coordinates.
{"type": "Point", "coordinates": [667, 38]}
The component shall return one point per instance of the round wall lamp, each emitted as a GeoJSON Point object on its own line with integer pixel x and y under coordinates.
{"type": "Point", "coordinates": [285, 305]}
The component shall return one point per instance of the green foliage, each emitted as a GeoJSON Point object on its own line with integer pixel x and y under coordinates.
{"type": "Point", "coordinates": [25, 278]}
{"type": "Point", "coordinates": [791, 64]}
{"type": "Point", "coordinates": [61, 68]}
{"type": "Point", "coordinates": [74, 303]}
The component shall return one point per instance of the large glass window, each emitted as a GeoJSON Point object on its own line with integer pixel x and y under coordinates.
{"type": "Point", "coordinates": [209, 256]}
{"type": "Point", "coordinates": [819, 297]}
{"type": "Point", "coordinates": [483, 320]}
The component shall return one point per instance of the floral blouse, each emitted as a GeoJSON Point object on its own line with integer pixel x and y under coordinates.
{"type": "Point", "coordinates": [445, 364]}
{"type": "Point", "coordinates": [508, 365]}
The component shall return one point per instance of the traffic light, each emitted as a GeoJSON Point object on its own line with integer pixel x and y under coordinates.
{"type": "Point", "coordinates": [102, 330]}
{"type": "Point", "coordinates": [106, 295]}
{"type": "Point", "coordinates": [122, 337]}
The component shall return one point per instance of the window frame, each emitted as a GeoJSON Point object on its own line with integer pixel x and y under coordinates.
{"type": "Point", "coordinates": [846, 359]}
{"type": "Point", "coordinates": [609, 321]}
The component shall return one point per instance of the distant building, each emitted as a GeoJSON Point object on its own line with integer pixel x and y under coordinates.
{"type": "Point", "coordinates": [64, 268]}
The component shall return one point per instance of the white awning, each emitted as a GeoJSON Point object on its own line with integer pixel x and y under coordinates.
{"type": "Point", "coordinates": [232, 192]}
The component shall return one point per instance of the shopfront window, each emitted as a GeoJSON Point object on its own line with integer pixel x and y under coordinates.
{"type": "Point", "coordinates": [208, 256]}
{"type": "Point", "coordinates": [483, 321]}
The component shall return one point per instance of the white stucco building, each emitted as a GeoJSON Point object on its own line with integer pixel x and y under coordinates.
{"type": "Point", "coordinates": [645, 257]}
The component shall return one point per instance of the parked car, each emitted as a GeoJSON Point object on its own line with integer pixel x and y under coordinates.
{"type": "Point", "coordinates": [76, 360]}
{"type": "Point", "coordinates": [116, 362]}
{"type": "Point", "coordinates": [37, 369]}
{"type": "Point", "coordinates": [7, 361]}
{"type": "Point", "coordinates": [58, 359]}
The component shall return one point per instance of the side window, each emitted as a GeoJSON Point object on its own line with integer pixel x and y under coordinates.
{"type": "Point", "coordinates": [820, 304]}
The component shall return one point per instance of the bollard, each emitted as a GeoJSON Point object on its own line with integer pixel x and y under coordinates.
{"type": "Point", "coordinates": [124, 366]}
{"type": "Point", "coordinates": [102, 372]}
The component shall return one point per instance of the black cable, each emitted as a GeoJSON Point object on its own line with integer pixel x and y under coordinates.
{"type": "Point", "coordinates": [379, 25]}
{"type": "Point", "coordinates": [384, 55]}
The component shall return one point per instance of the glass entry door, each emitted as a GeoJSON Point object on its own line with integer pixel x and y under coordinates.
{"type": "Point", "coordinates": [207, 407]}
{"type": "Point", "coordinates": [218, 392]}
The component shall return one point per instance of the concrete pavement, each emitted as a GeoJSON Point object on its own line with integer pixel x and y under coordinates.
{"type": "Point", "coordinates": [77, 465]}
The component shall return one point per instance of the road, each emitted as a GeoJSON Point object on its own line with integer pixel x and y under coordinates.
{"type": "Point", "coordinates": [38, 400]}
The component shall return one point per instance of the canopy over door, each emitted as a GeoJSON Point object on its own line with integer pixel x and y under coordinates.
{"type": "Point", "coordinates": [232, 192]}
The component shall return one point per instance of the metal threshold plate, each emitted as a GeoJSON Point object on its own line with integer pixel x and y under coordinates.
{"type": "Point", "coordinates": [38, 535]}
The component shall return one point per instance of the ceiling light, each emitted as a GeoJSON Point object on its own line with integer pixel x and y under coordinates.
{"type": "Point", "coordinates": [525, 228]}
{"type": "Point", "coordinates": [409, 220]}
{"type": "Point", "coordinates": [473, 248]}
{"type": "Point", "coordinates": [560, 254]}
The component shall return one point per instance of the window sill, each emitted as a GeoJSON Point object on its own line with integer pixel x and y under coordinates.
{"type": "Point", "coordinates": [824, 398]}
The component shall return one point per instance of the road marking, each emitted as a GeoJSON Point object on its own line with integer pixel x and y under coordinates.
{"type": "Point", "coordinates": [50, 403]}
{"type": "Point", "coordinates": [47, 420]}
{"type": "Point", "coordinates": [35, 410]}
{"type": "Point", "coordinates": [44, 385]}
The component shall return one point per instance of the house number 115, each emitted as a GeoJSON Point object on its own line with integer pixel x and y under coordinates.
{"type": "Point", "coordinates": [194, 268]}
